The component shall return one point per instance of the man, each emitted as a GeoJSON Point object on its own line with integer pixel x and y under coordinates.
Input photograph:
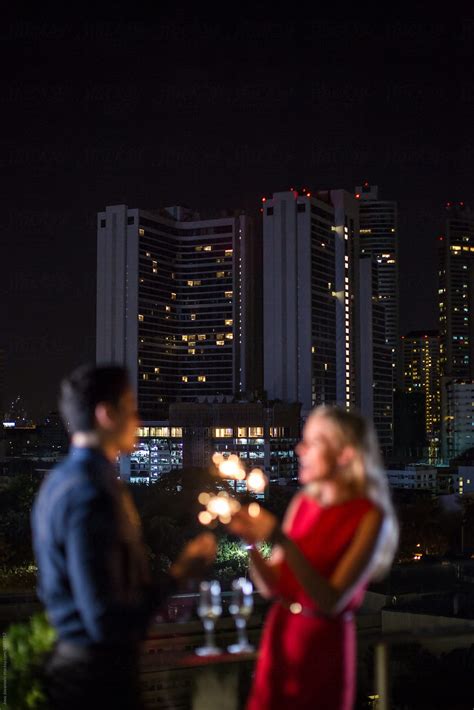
{"type": "Point", "coordinates": [94, 577]}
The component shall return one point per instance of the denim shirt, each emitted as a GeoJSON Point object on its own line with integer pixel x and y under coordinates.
{"type": "Point", "coordinates": [76, 543]}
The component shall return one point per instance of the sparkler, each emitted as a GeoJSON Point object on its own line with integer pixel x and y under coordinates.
{"type": "Point", "coordinates": [222, 506]}
{"type": "Point", "coordinates": [256, 481]}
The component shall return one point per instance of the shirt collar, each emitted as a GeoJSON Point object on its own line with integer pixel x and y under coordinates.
{"type": "Point", "coordinates": [89, 451]}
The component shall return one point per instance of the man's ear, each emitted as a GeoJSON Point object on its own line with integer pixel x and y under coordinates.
{"type": "Point", "coordinates": [103, 415]}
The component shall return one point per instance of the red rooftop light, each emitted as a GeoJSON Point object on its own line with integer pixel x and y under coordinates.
{"type": "Point", "coordinates": [264, 199]}
{"type": "Point", "coordinates": [357, 195]}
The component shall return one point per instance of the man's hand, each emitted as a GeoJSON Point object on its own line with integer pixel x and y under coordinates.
{"type": "Point", "coordinates": [253, 528]}
{"type": "Point", "coordinates": [196, 555]}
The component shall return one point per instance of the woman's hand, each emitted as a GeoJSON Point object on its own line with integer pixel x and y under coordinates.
{"type": "Point", "coordinates": [253, 528]}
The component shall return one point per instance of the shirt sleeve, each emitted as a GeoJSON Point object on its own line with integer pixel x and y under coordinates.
{"type": "Point", "coordinates": [93, 559]}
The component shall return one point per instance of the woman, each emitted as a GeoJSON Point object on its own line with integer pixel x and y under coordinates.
{"type": "Point", "coordinates": [339, 532]}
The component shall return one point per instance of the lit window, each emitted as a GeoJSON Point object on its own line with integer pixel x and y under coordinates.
{"type": "Point", "coordinates": [141, 317]}
{"type": "Point", "coordinates": [220, 274]}
{"type": "Point", "coordinates": [208, 247]}
{"type": "Point", "coordinates": [202, 336]}
{"type": "Point", "coordinates": [145, 375]}
{"type": "Point", "coordinates": [193, 316]}
{"type": "Point", "coordinates": [241, 431]}
{"type": "Point", "coordinates": [228, 321]}
{"type": "Point", "coordinates": [157, 369]}
{"type": "Point", "coordinates": [219, 336]}
{"type": "Point", "coordinates": [228, 294]}
{"type": "Point", "coordinates": [141, 232]}
{"type": "Point", "coordinates": [184, 378]}
{"type": "Point", "coordinates": [221, 432]}
{"type": "Point", "coordinates": [228, 252]}
{"type": "Point", "coordinates": [191, 351]}
{"type": "Point", "coordinates": [168, 308]}
{"type": "Point", "coordinates": [229, 336]}
{"type": "Point", "coordinates": [220, 342]}
{"type": "Point", "coordinates": [201, 378]}
{"type": "Point", "coordinates": [176, 431]}
{"type": "Point", "coordinates": [184, 337]}
{"type": "Point", "coordinates": [173, 296]}
{"type": "Point", "coordinates": [255, 431]}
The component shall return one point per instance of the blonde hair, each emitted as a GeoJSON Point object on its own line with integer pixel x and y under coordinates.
{"type": "Point", "coordinates": [365, 475]}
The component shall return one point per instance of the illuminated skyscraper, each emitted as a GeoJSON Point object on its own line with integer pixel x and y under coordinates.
{"type": "Point", "coordinates": [456, 322]}
{"type": "Point", "coordinates": [173, 292]}
{"type": "Point", "coordinates": [456, 292]}
{"type": "Point", "coordinates": [374, 382]}
{"type": "Point", "coordinates": [421, 373]}
{"type": "Point", "coordinates": [308, 297]}
{"type": "Point", "coordinates": [379, 238]}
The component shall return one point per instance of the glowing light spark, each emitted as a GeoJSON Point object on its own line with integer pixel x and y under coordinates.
{"type": "Point", "coordinates": [256, 481]}
{"type": "Point", "coordinates": [254, 510]}
{"type": "Point", "coordinates": [204, 517]}
{"type": "Point", "coordinates": [220, 506]}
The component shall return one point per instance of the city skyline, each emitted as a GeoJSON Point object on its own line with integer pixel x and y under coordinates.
{"type": "Point", "coordinates": [142, 122]}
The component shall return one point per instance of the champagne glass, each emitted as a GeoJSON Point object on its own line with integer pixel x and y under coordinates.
{"type": "Point", "coordinates": [209, 609]}
{"type": "Point", "coordinates": [241, 608]}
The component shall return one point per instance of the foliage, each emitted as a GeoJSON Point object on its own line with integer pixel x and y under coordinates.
{"type": "Point", "coordinates": [19, 577]}
{"type": "Point", "coordinates": [16, 499]}
{"type": "Point", "coordinates": [28, 645]}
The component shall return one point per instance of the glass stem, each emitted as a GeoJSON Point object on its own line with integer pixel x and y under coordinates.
{"type": "Point", "coordinates": [209, 628]}
{"type": "Point", "coordinates": [241, 631]}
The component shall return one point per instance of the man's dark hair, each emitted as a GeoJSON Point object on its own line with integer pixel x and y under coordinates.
{"type": "Point", "coordinates": [87, 385]}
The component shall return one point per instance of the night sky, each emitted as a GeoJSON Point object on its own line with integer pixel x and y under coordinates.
{"type": "Point", "coordinates": [213, 112]}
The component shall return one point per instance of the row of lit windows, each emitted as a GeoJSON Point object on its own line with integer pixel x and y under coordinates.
{"type": "Point", "coordinates": [252, 432]}
{"type": "Point", "coordinates": [160, 431]}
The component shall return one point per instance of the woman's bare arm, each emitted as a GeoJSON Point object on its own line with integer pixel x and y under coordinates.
{"type": "Point", "coordinates": [332, 595]}
{"type": "Point", "coordinates": [264, 572]}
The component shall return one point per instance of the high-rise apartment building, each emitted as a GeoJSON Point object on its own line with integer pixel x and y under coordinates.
{"type": "Point", "coordinates": [378, 221]}
{"type": "Point", "coordinates": [173, 295]}
{"type": "Point", "coordinates": [374, 384]}
{"type": "Point", "coordinates": [421, 373]}
{"type": "Point", "coordinates": [308, 289]}
{"type": "Point", "coordinates": [456, 323]}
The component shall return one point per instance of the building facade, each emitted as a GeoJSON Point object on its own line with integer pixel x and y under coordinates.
{"type": "Point", "coordinates": [262, 434]}
{"type": "Point", "coordinates": [379, 237]}
{"type": "Point", "coordinates": [375, 367]}
{"type": "Point", "coordinates": [308, 297]}
{"type": "Point", "coordinates": [173, 291]}
{"type": "Point", "coordinates": [421, 373]}
{"type": "Point", "coordinates": [456, 323]}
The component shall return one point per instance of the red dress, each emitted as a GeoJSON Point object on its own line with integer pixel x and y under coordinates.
{"type": "Point", "coordinates": [308, 661]}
